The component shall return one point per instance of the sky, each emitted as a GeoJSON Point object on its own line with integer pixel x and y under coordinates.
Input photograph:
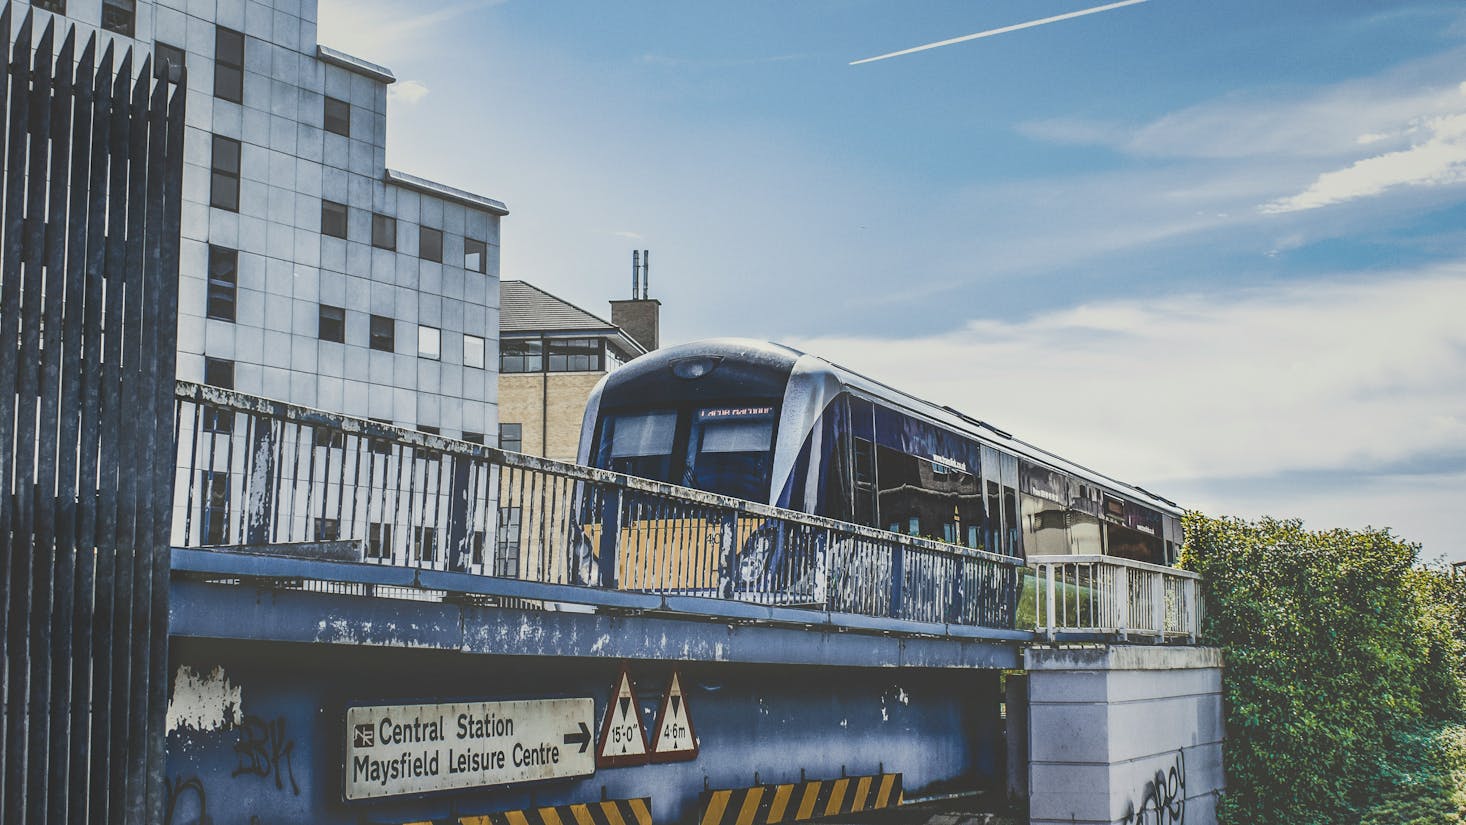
{"type": "Point", "coordinates": [1214, 249]}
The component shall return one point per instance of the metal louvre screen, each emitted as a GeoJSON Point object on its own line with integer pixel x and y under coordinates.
{"type": "Point", "coordinates": [92, 149]}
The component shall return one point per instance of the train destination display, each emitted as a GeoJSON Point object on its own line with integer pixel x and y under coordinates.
{"type": "Point", "coordinates": [405, 749]}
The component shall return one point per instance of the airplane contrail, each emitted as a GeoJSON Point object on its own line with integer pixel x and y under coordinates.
{"type": "Point", "coordinates": [1004, 30]}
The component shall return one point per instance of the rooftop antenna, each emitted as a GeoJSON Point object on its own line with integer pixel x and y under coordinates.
{"type": "Point", "coordinates": [635, 272]}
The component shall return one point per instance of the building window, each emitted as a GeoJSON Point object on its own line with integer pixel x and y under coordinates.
{"type": "Point", "coordinates": [511, 437]}
{"type": "Point", "coordinates": [224, 186]}
{"type": "Point", "coordinates": [473, 351]}
{"type": "Point", "coordinates": [473, 437]}
{"type": "Point", "coordinates": [430, 244]}
{"type": "Point", "coordinates": [328, 529]}
{"type": "Point", "coordinates": [218, 372]}
{"type": "Point", "coordinates": [574, 354]}
{"type": "Point", "coordinates": [338, 116]}
{"type": "Point", "coordinates": [384, 334]}
{"type": "Point", "coordinates": [380, 446]}
{"type": "Point", "coordinates": [425, 544]}
{"type": "Point", "coordinates": [519, 356]}
{"type": "Point", "coordinates": [379, 541]}
{"type": "Point", "coordinates": [223, 283]}
{"type": "Point", "coordinates": [506, 547]}
{"type": "Point", "coordinates": [333, 219]}
{"type": "Point", "coordinates": [429, 342]}
{"type": "Point", "coordinates": [429, 429]}
{"type": "Point", "coordinates": [214, 520]}
{"type": "Point", "coordinates": [384, 231]}
{"type": "Point", "coordinates": [228, 64]}
{"type": "Point", "coordinates": [475, 255]}
{"type": "Point", "coordinates": [332, 324]}
{"type": "Point", "coordinates": [53, 6]}
{"type": "Point", "coordinates": [323, 437]}
{"type": "Point", "coordinates": [164, 57]}
{"type": "Point", "coordinates": [119, 16]}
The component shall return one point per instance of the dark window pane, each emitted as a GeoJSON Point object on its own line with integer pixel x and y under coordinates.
{"type": "Point", "coordinates": [338, 116]}
{"type": "Point", "coordinates": [228, 64]}
{"type": "Point", "coordinates": [473, 437]}
{"type": "Point", "coordinates": [53, 6]}
{"type": "Point", "coordinates": [224, 187]}
{"type": "Point", "coordinates": [384, 231]}
{"type": "Point", "coordinates": [430, 244]}
{"type": "Point", "coordinates": [379, 541]}
{"type": "Point", "coordinates": [214, 520]}
{"type": "Point", "coordinates": [429, 429]}
{"type": "Point", "coordinates": [731, 454]}
{"type": "Point", "coordinates": [475, 255]}
{"type": "Point", "coordinates": [511, 437]}
{"type": "Point", "coordinates": [640, 445]}
{"type": "Point", "coordinates": [519, 356]}
{"type": "Point", "coordinates": [223, 280]}
{"type": "Point", "coordinates": [384, 334]}
{"type": "Point", "coordinates": [333, 219]}
{"type": "Point", "coordinates": [332, 324]}
{"type": "Point", "coordinates": [328, 529]}
{"type": "Point", "coordinates": [218, 372]}
{"type": "Point", "coordinates": [165, 56]}
{"type": "Point", "coordinates": [119, 16]}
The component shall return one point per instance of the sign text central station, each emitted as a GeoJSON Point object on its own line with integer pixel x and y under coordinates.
{"type": "Point", "coordinates": [402, 749]}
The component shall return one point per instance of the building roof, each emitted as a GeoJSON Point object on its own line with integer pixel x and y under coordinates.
{"type": "Point", "coordinates": [524, 307]}
{"type": "Point", "coordinates": [443, 190]}
{"type": "Point", "coordinates": [381, 74]}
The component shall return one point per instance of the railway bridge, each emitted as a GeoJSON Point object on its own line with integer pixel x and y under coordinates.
{"type": "Point", "coordinates": [371, 624]}
{"type": "Point", "coordinates": [218, 608]}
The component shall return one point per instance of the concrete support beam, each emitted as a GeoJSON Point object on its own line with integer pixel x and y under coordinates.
{"type": "Point", "coordinates": [1125, 734]}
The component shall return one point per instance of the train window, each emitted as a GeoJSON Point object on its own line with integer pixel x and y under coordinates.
{"type": "Point", "coordinates": [732, 456]}
{"type": "Point", "coordinates": [639, 444]}
{"type": "Point", "coordinates": [1045, 499]}
{"type": "Point", "coordinates": [924, 498]}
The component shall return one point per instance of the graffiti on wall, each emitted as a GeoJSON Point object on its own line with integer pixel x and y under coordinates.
{"type": "Point", "coordinates": [264, 749]}
{"type": "Point", "coordinates": [1163, 802]}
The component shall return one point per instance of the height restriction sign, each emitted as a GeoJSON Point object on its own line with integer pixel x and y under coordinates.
{"type": "Point", "coordinates": [623, 739]}
{"type": "Point", "coordinates": [674, 739]}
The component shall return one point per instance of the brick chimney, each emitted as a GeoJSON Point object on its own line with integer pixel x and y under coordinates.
{"type": "Point", "coordinates": [641, 316]}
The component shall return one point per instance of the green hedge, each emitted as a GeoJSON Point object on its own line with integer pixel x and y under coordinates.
{"type": "Point", "coordinates": [1336, 647]}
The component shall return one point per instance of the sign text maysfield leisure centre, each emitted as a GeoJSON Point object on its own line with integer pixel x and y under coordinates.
{"type": "Point", "coordinates": [399, 749]}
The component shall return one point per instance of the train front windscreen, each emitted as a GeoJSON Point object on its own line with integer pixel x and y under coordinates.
{"type": "Point", "coordinates": [726, 449]}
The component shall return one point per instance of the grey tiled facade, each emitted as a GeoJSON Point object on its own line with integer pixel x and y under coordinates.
{"type": "Point", "coordinates": [291, 278]}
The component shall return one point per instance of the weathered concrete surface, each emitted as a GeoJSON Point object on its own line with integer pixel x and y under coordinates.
{"type": "Point", "coordinates": [1125, 734]}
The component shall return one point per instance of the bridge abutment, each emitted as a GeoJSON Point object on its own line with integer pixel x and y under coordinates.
{"type": "Point", "coordinates": [1124, 734]}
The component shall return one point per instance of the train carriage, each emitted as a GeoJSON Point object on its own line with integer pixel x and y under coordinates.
{"type": "Point", "coordinates": [767, 423]}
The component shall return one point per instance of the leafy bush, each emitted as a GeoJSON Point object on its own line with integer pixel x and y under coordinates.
{"type": "Point", "coordinates": [1335, 646]}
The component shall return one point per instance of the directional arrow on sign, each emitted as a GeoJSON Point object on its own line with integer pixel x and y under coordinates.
{"type": "Point", "coordinates": [582, 738]}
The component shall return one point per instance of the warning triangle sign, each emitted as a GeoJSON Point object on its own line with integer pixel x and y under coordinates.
{"type": "Point", "coordinates": [623, 738]}
{"type": "Point", "coordinates": [674, 740]}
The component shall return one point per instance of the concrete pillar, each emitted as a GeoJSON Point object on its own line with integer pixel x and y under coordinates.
{"type": "Point", "coordinates": [1125, 734]}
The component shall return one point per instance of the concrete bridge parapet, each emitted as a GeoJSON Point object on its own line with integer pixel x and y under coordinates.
{"type": "Point", "coordinates": [1125, 734]}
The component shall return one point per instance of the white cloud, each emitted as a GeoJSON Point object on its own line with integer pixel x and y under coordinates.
{"type": "Point", "coordinates": [1347, 379]}
{"type": "Point", "coordinates": [1440, 159]}
{"type": "Point", "coordinates": [407, 91]}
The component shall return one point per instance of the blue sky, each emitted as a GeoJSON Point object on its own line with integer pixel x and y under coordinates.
{"type": "Point", "coordinates": [1216, 249]}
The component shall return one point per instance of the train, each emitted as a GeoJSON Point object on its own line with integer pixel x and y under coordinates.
{"type": "Point", "coordinates": [769, 423]}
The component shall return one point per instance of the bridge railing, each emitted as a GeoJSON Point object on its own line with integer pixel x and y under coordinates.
{"type": "Point", "coordinates": [1106, 597]}
{"type": "Point", "coordinates": [264, 476]}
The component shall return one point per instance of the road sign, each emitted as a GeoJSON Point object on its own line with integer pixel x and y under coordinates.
{"type": "Point", "coordinates": [623, 738]}
{"type": "Point", "coordinates": [402, 749]}
{"type": "Point", "coordinates": [674, 740]}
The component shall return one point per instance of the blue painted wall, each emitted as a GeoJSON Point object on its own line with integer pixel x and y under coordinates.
{"type": "Point", "coordinates": [276, 757]}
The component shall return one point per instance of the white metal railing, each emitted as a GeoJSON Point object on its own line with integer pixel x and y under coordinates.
{"type": "Point", "coordinates": [1114, 597]}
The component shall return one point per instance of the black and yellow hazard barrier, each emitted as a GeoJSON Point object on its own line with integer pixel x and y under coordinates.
{"type": "Point", "coordinates": [636, 811]}
{"type": "Point", "coordinates": [801, 801]}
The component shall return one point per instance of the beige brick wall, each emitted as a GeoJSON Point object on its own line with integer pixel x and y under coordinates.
{"type": "Point", "coordinates": [522, 400]}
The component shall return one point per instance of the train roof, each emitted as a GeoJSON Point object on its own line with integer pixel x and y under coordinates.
{"type": "Point", "coordinates": [945, 416]}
